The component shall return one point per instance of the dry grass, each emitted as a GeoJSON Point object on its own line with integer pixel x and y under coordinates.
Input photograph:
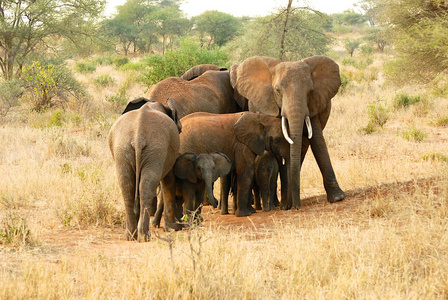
{"type": "Point", "coordinates": [61, 214]}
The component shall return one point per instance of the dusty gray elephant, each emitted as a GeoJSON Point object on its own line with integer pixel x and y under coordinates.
{"type": "Point", "coordinates": [203, 88]}
{"type": "Point", "coordinates": [240, 136]}
{"type": "Point", "coordinates": [145, 145]}
{"type": "Point", "coordinates": [300, 92]}
{"type": "Point", "coordinates": [265, 181]}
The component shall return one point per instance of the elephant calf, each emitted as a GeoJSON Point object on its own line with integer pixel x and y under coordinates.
{"type": "Point", "coordinates": [265, 181]}
{"type": "Point", "coordinates": [145, 145]}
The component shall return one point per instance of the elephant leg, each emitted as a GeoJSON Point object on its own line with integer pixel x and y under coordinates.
{"type": "Point", "coordinates": [158, 214]}
{"type": "Point", "coordinates": [224, 197]}
{"type": "Point", "coordinates": [169, 199]}
{"type": "Point", "coordinates": [273, 200]}
{"type": "Point", "coordinates": [126, 180]}
{"type": "Point", "coordinates": [148, 191]}
{"type": "Point", "coordinates": [285, 201]}
{"type": "Point", "coordinates": [257, 199]}
{"type": "Point", "coordinates": [320, 152]}
{"type": "Point", "coordinates": [305, 146]}
{"type": "Point", "coordinates": [244, 181]}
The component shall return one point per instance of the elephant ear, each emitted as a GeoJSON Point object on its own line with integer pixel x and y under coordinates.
{"type": "Point", "coordinates": [184, 168]}
{"type": "Point", "coordinates": [252, 79]}
{"type": "Point", "coordinates": [249, 131]}
{"type": "Point", "coordinates": [222, 164]}
{"type": "Point", "coordinates": [197, 71]}
{"type": "Point", "coordinates": [173, 113]}
{"type": "Point", "coordinates": [242, 101]}
{"type": "Point", "coordinates": [135, 104]}
{"type": "Point", "coordinates": [326, 82]}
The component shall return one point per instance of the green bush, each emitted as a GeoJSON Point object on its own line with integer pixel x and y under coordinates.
{"type": "Point", "coordinates": [345, 81]}
{"type": "Point", "coordinates": [104, 60]}
{"type": "Point", "coordinates": [378, 114]}
{"type": "Point", "coordinates": [175, 63]}
{"type": "Point", "coordinates": [49, 83]}
{"type": "Point", "coordinates": [366, 49]}
{"type": "Point", "coordinates": [436, 157]}
{"type": "Point", "coordinates": [85, 66]}
{"type": "Point", "coordinates": [14, 231]}
{"type": "Point", "coordinates": [413, 134]}
{"type": "Point", "coordinates": [103, 80]}
{"type": "Point", "coordinates": [120, 61]}
{"type": "Point", "coordinates": [10, 92]}
{"type": "Point", "coordinates": [403, 100]}
{"type": "Point", "coordinates": [442, 122]}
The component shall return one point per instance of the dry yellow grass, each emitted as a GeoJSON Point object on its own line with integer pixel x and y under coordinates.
{"type": "Point", "coordinates": [387, 240]}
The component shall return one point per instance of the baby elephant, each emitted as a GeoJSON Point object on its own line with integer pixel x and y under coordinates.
{"type": "Point", "coordinates": [265, 185]}
{"type": "Point", "coordinates": [196, 174]}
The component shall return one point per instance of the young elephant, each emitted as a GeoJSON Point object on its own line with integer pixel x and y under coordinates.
{"type": "Point", "coordinates": [144, 145]}
{"type": "Point", "coordinates": [265, 181]}
{"type": "Point", "coordinates": [195, 174]}
{"type": "Point", "coordinates": [240, 136]}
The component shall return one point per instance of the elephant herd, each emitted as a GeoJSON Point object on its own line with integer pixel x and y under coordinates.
{"type": "Point", "coordinates": [245, 125]}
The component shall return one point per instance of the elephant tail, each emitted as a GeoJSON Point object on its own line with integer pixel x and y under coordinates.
{"type": "Point", "coordinates": [138, 155]}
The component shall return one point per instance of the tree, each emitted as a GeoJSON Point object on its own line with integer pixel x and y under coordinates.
{"type": "Point", "coordinates": [419, 31]}
{"type": "Point", "coordinates": [351, 46]}
{"type": "Point", "coordinates": [349, 18]}
{"type": "Point", "coordinates": [218, 27]}
{"type": "Point", "coordinates": [289, 34]}
{"type": "Point", "coordinates": [27, 26]}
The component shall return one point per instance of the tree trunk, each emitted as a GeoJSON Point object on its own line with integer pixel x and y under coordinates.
{"type": "Point", "coordinates": [284, 31]}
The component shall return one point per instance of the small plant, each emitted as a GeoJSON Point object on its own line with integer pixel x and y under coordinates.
{"type": "Point", "coordinates": [442, 122]}
{"type": "Point", "coordinates": [436, 157]}
{"type": "Point", "coordinates": [351, 46]}
{"type": "Point", "coordinates": [345, 81]}
{"type": "Point", "coordinates": [103, 80]}
{"type": "Point", "coordinates": [120, 61]}
{"type": "Point", "coordinates": [104, 60]}
{"type": "Point", "coordinates": [404, 100]}
{"type": "Point", "coordinates": [10, 92]}
{"type": "Point", "coordinates": [413, 134]}
{"type": "Point", "coordinates": [118, 99]}
{"type": "Point", "coordinates": [85, 66]}
{"type": "Point", "coordinates": [14, 231]}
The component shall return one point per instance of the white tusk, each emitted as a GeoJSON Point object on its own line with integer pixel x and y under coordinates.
{"type": "Point", "coordinates": [285, 132]}
{"type": "Point", "coordinates": [308, 126]}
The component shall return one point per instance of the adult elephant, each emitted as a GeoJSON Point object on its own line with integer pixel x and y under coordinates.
{"type": "Point", "coordinates": [240, 136]}
{"type": "Point", "coordinates": [300, 92]}
{"type": "Point", "coordinates": [145, 145]}
{"type": "Point", "coordinates": [203, 88]}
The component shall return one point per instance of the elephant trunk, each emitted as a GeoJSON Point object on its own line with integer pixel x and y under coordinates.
{"type": "Point", "coordinates": [209, 187]}
{"type": "Point", "coordinates": [296, 117]}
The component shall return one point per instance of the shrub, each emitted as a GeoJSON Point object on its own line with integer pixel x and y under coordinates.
{"type": "Point", "coordinates": [345, 81]}
{"type": "Point", "coordinates": [378, 114]}
{"type": "Point", "coordinates": [10, 92]}
{"type": "Point", "coordinates": [442, 122]}
{"type": "Point", "coordinates": [48, 83]}
{"type": "Point", "coordinates": [103, 80]}
{"type": "Point", "coordinates": [366, 49]}
{"type": "Point", "coordinates": [120, 61]}
{"type": "Point", "coordinates": [85, 66]}
{"type": "Point", "coordinates": [175, 63]}
{"type": "Point", "coordinates": [436, 157]}
{"type": "Point", "coordinates": [105, 60]}
{"type": "Point", "coordinates": [413, 134]}
{"type": "Point", "coordinates": [404, 100]}
{"type": "Point", "coordinates": [14, 231]}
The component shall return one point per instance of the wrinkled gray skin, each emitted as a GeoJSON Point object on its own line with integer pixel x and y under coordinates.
{"type": "Point", "coordinates": [294, 90]}
{"type": "Point", "coordinates": [240, 136]}
{"type": "Point", "coordinates": [265, 181]}
{"type": "Point", "coordinates": [145, 145]}
{"type": "Point", "coordinates": [203, 88]}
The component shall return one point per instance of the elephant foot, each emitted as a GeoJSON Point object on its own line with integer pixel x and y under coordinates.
{"type": "Point", "coordinates": [251, 209]}
{"type": "Point", "coordinates": [242, 212]}
{"type": "Point", "coordinates": [224, 211]}
{"type": "Point", "coordinates": [144, 238]}
{"type": "Point", "coordinates": [267, 208]}
{"type": "Point", "coordinates": [175, 226]}
{"type": "Point", "coordinates": [334, 192]}
{"type": "Point", "coordinates": [285, 206]}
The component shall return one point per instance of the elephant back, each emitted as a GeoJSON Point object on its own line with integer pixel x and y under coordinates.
{"type": "Point", "coordinates": [198, 70]}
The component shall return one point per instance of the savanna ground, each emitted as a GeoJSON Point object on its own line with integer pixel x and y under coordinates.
{"type": "Point", "coordinates": [61, 218]}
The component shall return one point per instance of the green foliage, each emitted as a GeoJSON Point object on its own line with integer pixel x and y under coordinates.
{"type": "Point", "coordinates": [216, 28]}
{"type": "Point", "coordinates": [436, 157]}
{"type": "Point", "coordinates": [345, 81]}
{"type": "Point", "coordinates": [10, 92]}
{"type": "Point", "coordinates": [305, 36]}
{"type": "Point", "coordinates": [419, 32]}
{"type": "Point", "coordinates": [85, 66]}
{"type": "Point", "coordinates": [378, 116]}
{"type": "Point", "coordinates": [28, 26]}
{"type": "Point", "coordinates": [351, 46]}
{"type": "Point", "coordinates": [443, 122]}
{"type": "Point", "coordinates": [403, 100]}
{"type": "Point", "coordinates": [104, 60]}
{"type": "Point", "coordinates": [357, 63]}
{"type": "Point", "coordinates": [413, 134]}
{"type": "Point", "coordinates": [48, 83]}
{"type": "Point", "coordinates": [14, 231]}
{"type": "Point", "coordinates": [175, 63]}
{"type": "Point", "coordinates": [366, 50]}
{"type": "Point", "coordinates": [103, 80]}
{"type": "Point", "coordinates": [120, 61]}
{"type": "Point", "coordinates": [349, 18]}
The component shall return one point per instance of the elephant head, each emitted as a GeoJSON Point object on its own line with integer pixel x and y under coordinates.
{"type": "Point", "coordinates": [206, 167]}
{"type": "Point", "coordinates": [296, 91]}
{"type": "Point", "coordinates": [169, 110]}
{"type": "Point", "coordinates": [261, 132]}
